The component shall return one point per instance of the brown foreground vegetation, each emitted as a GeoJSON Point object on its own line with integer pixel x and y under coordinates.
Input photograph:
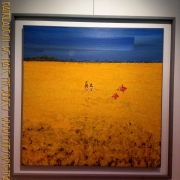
{"type": "Point", "coordinates": [65, 125]}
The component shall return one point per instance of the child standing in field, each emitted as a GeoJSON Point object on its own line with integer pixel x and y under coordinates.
{"type": "Point", "coordinates": [91, 87]}
{"type": "Point", "coordinates": [86, 86]}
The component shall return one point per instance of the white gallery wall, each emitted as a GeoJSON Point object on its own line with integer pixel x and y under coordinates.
{"type": "Point", "coordinates": [149, 8]}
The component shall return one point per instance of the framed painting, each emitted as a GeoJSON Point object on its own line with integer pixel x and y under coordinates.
{"type": "Point", "coordinates": [92, 96]}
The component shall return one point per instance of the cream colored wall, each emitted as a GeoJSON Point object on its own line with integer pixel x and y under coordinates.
{"type": "Point", "coordinates": [162, 8]}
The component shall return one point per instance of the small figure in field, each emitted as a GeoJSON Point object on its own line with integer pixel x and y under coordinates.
{"type": "Point", "coordinates": [91, 87]}
{"type": "Point", "coordinates": [86, 86]}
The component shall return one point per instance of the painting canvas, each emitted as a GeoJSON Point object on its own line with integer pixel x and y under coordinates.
{"type": "Point", "coordinates": [92, 96]}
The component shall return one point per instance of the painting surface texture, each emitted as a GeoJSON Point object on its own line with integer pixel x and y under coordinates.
{"type": "Point", "coordinates": [92, 96]}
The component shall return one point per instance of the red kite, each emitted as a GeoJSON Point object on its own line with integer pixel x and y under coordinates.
{"type": "Point", "coordinates": [115, 96]}
{"type": "Point", "coordinates": [122, 88]}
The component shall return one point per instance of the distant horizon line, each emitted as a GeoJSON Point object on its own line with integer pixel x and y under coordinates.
{"type": "Point", "coordinates": [54, 59]}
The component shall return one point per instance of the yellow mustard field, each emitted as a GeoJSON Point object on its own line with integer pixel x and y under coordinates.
{"type": "Point", "coordinates": [66, 125]}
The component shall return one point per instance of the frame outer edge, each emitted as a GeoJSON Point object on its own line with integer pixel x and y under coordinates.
{"type": "Point", "coordinates": [171, 104]}
{"type": "Point", "coordinates": [12, 78]}
{"type": "Point", "coordinates": [94, 18]}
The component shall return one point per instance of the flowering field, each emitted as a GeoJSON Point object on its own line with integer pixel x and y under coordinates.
{"type": "Point", "coordinates": [66, 125]}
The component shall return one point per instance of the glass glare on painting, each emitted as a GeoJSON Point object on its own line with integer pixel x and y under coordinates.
{"type": "Point", "coordinates": [92, 96]}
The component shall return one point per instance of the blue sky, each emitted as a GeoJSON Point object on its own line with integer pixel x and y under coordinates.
{"type": "Point", "coordinates": [91, 44]}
